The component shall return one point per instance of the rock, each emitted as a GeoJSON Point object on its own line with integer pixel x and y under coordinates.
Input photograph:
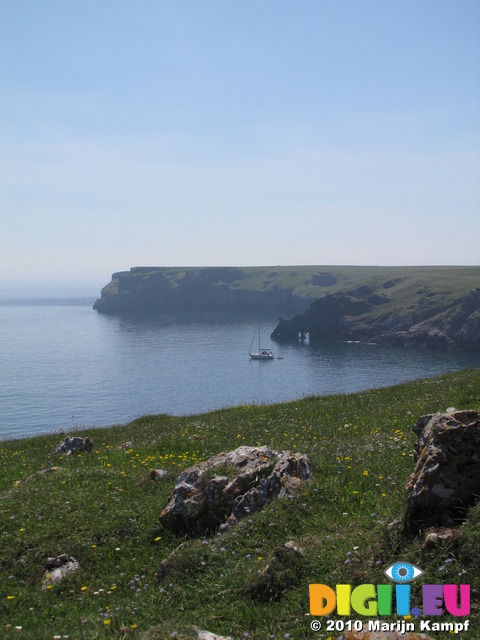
{"type": "Point", "coordinates": [158, 474]}
{"type": "Point", "coordinates": [207, 635]}
{"type": "Point", "coordinates": [446, 478]}
{"type": "Point", "coordinates": [52, 470]}
{"type": "Point", "coordinates": [440, 536]}
{"type": "Point", "coordinates": [230, 486]}
{"type": "Point", "coordinates": [57, 568]}
{"type": "Point", "coordinates": [126, 445]}
{"type": "Point", "coordinates": [74, 445]}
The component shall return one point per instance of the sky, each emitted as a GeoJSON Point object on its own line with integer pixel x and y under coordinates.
{"type": "Point", "coordinates": [255, 132]}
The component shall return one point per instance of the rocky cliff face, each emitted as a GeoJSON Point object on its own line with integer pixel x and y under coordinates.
{"type": "Point", "coordinates": [366, 315]}
{"type": "Point", "coordinates": [215, 289]}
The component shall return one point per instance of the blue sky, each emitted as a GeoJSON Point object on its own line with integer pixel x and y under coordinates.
{"type": "Point", "coordinates": [260, 132]}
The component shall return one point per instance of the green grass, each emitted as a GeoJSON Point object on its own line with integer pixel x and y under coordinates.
{"type": "Point", "coordinates": [447, 282]}
{"type": "Point", "coordinates": [102, 508]}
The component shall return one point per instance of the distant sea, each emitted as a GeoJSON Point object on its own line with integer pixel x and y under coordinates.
{"type": "Point", "coordinates": [63, 365]}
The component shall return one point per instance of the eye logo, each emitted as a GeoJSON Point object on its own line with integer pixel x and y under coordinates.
{"type": "Point", "coordinates": [402, 572]}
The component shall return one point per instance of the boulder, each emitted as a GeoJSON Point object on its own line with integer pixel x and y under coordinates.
{"type": "Point", "coordinates": [230, 486]}
{"type": "Point", "coordinates": [57, 568]}
{"type": "Point", "coordinates": [74, 445]}
{"type": "Point", "coordinates": [446, 478]}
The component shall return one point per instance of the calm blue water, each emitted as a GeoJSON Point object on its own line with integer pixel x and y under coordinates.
{"type": "Point", "coordinates": [63, 365]}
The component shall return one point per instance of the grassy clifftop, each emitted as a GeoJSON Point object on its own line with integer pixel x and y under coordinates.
{"type": "Point", "coordinates": [102, 509]}
{"type": "Point", "coordinates": [281, 289]}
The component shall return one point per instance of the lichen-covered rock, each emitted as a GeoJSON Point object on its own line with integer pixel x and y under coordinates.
{"type": "Point", "coordinates": [230, 486]}
{"type": "Point", "coordinates": [446, 478]}
{"type": "Point", "coordinates": [74, 445]}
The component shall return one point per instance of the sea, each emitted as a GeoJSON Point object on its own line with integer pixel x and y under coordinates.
{"type": "Point", "coordinates": [64, 365]}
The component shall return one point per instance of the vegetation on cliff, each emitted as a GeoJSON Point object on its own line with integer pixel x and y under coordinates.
{"type": "Point", "coordinates": [422, 307]}
{"type": "Point", "coordinates": [102, 508]}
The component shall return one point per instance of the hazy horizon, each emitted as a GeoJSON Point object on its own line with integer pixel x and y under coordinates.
{"type": "Point", "coordinates": [86, 288]}
{"type": "Point", "coordinates": [237, 134]}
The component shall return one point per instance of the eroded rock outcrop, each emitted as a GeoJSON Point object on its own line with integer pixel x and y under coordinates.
{"type": "Point", "coordinates": [56, 568]}
{"type": "Point", "coordinates": [74, 445]}
{"type": "Point", "coordinates": [364, 314]}
{"type": "Point", "coordinates": [446, 478]}
{"type": "Point", "coordinates": [226, 488]}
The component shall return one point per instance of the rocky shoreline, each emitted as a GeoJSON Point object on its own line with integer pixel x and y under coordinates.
{"type": "Point", "coordinates": [358, 316]}
{"type": "Point", "coordinates": [418, 306]}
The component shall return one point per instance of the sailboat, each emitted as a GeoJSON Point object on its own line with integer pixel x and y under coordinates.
{"type": "Point", "coordinates": [262, 353]}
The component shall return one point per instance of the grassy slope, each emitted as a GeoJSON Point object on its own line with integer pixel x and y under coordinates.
{"type": "Point", "coordinates": [452, 282]}
{"type": "Point", "coordinates": [102, 509]}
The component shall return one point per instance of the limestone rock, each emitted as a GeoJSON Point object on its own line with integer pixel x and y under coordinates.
{"type": "Point", "coordinates": [207, 635]}
{"type": "Point", "coordinates": [230, 486]}
{"type": "Point", "coordinates": [158, 474]}
{"type": "Point", "coordinates": [438, 537]}
{"type": "Point", "coordinates": [446, 478]}
{"type": "Point", "coordinates": [74, 445]}
{"type": "Point", "coordinates": [57, 568]}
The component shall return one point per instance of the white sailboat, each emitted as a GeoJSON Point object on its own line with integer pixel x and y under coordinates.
{"type": "Point", "coordinates": [262, 353]}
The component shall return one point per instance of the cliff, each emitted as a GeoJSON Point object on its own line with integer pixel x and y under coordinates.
{"type": "Point", "coordinates": [431, 315]}
{"type": "Point", "coordinates": [214, 289]}
{"type": "Point", "coordinates": [401, 305]}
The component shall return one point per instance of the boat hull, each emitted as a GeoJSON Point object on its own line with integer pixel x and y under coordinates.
{"type": "Point", "coordinates": [264, 354]}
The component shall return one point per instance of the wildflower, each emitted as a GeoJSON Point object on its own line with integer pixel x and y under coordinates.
{"type": "Point", "coordinates": [107, 621]}
{"type": "Point", "coordinates": [83, 589]}
{"type": "Point", "coordinates": [365, 472]}
{"type": "Point", "coordinates": [10, 597]}
{"type": "Point", "coordinates": [158, 538]}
